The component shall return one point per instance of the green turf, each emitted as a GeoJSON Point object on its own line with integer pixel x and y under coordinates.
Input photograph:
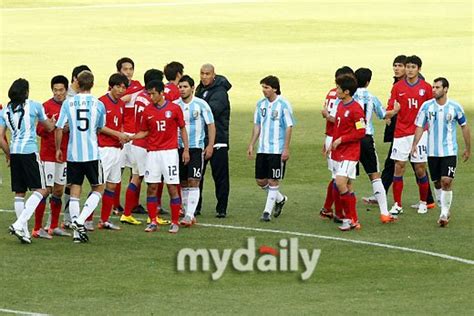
{"type": "Point", "coordinates": [302, 42]}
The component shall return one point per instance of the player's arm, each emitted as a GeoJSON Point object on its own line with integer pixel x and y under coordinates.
{"type": "Point", "coordinates": [119, 135]}
{"type": "Point", "coordinates": [466, 134]}
{"type": "Point", "coordinates": [378, 108]}
{"type": "Point", "coordinates": [219, 102]}
{"type": "Point", "coordinates": [418, 133]}
{"type": "Point", "coordinates": [184, 138]}
{"type": "Point", "coordinates": [58, 137]}
{"type": "Point", "coordinates": [253, 140]}
{"type": "Point", "coordinates": [393, 106]}
{"type": "Point", "coordinates": [139, 135]}
{"type": "Point", "coordinates": [420, 123]}
{"type": "Point", "coordinates": [3, 143]}
{"type": "Point", "coordinates": [285, 155]}
{"type": "Point", "coordinates": [211, 135]}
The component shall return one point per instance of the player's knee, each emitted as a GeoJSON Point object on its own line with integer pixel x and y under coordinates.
{"type": "Point", "coordinates": [273, 182]}
{"type": "Point", "coordinates": [57, 191]}
{"type": "Point", "coordinates": [262, 182]}
{"type": "Point", "coordinates": [151, 189]}
{"type": "Point", "coordinates": [43, 192]}
{"type": "Point", "coordinates": [446, 183]}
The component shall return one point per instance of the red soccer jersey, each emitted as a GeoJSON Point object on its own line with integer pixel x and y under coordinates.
{"type": "Point", "coordinates": [141, 103]}
{"type": "Point", "coordinates": [129, 110]}
{"type": "Point", "coordinates": [48, 145]}
{"type": "Point", "coordinates": [329, 104]}
{"type": "Point", "coordinates": [410, 97]}
{"type": "Point", "coordinates": [171, 92]}
{"type": "Point", "coordinates": [350, 126]}
{"type": "Point", "coordinates": [113, 120]}
{"type": "Point", "coordinates": [162, 124]}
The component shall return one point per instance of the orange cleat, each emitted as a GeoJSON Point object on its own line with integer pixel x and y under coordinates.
{"type": "Point", "coordinates": [388, 219]}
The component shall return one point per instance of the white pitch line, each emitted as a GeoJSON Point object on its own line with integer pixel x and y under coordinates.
{"type": "Point", "coordinates": [11, 311]}
{"type": "Point", "coordinates": [353, 241]}
{"type": "Point", "coordinates": [127, 5]}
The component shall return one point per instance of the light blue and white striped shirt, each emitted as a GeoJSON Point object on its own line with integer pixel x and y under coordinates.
{"type": "Point", "coordinates": [370, 104]}
{"type": "Point", "coordinates": [85, 115]}
{"type": "Point", "coordinates": [197, 114]}
{"type": "Point", "coordinates": [442, 120]}
{"type": "Point", "coordinates": [273, 119]}
{"type": "Point", "coordinates": [22, 124]}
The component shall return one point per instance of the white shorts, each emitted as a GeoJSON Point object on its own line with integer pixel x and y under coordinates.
{"type": "Point", "coordinates": [138, 160]}
{"type": "Point", "coordinates": [401, 149]}
{"type": "Point", "coordinates": [345, 168]}
{"type": "Point", "coordinates": [327, 144]}
{"type": "Point", "coordinates": [126, 154]}
{"type": "Point", "coordinates": [162, 163]}
{"type": "Point", "coordinates": [55, 172]}
{"type": "Point", "coordinates": [110, 158]}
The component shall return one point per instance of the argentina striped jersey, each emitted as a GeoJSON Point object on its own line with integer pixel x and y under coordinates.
{"type": "Point", "coordinates": [85, 115]}
{"type": "Point", "coordinates": [370, 104]}
{"type": "Point", "coordinates": [442, 121]}
{"type": "Point", "coordinates": [197, 114]}
{"type": "Point", "coordinates": [273, 119]}
{"type": "Point", "coordinates": [22, 124]}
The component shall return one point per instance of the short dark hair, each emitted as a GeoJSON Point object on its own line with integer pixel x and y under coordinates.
{"type": "Point", "coordinates": [117, 79]}
{"type": "Point", "coordinates": [59, 79]}
{"type": "Point", "coordinates": [172, 69]}
{"type": "Point", "coordinates": [414, 60]}
{"type": "Point", "coordinates": [124, 60]}
{"type": "Point", "coordinates": [444, 81]}
{"type": "Point", "coordinates": [155, 84]}
{"type": "Point", "coordinates": [18, 92]}
{"type": "Point", "coordinates": [363, 76]}
{"type": "Point", "coordinates": [187, 79]}
{"type": "Point", "coordinates": [347, 82]}
{"type": "Point", "coordinates": [344, 70]}
{"type": "Point", "coordinates": [273, 82]}
{"type": "Point", "coordinates": [152, 74]}
{"type": "Point", "coordinates": [400, 59]}
{"type": "Point", "coordinates": [77, 70]}
{"type": "Point", "coordinates": [85, 80]}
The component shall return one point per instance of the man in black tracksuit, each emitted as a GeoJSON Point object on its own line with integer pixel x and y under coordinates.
{"type": "Point", "coordinates": [213, 89]}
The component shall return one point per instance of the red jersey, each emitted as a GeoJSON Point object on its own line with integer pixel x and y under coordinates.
{"type": "Point", "coordinates": [133, 89]}
{"type": "Point", "coordinates": [329, 104]}
{"type": "Point", "coordinates": [410, 97]}
{"type": "Point", "coordinates": [141, 103]}
{"type": "Point", "coordinates": [162, 124]}
{"type": "Point", "coordinates": [171, 92]}
{"type": "Point", "coordinates": [113, 120]}
{"type": "Point", "coordinates": [48, 145]}
{"type": "Point", "coordinates": [350, 126]}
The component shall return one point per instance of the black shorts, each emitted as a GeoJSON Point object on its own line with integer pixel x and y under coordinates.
{"type": "Point", "coordinates": [442, 167]}
{"type": "Point", "coordinates": [194, 167]}
{"type": "Point", "coordinates": [368, 155]}
{"type": "Point", "coordinates": [26, 172]}
{"type": "Point", "coordinates": [269, 166]}
{"type": "Point", "coordinates": [92, 170]}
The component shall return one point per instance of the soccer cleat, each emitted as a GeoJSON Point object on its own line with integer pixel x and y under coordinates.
{"type": "Point", "coordinates": [108, 225]}
{"type": "Point", "coordinates": [221, 214]}
{"type": "Point", "coordinates": [396, 210]}
{"type": "Point", "coordinates": [388, 218]}
{"type": "Point", "coordinates": [443, 221]}
{"type": "Point", "coordinates": [279, 206]}
{"type": "Point", "coordinates": [181, 212]}
{"type": "Point", "coordinates": [428, 206]}
{"type": "Point", "coordinates": [139, 209]}
{"type": "Point", "coordinates": [58, 232]}
{"type": "Point", "coordinates": [129, 220]}
{"type": "Point", "coordinates": [347, 224]}
{"type": "Point", "coordinates": [162, 211]}
{"type": "Point", "coordinates": [422, 208]}
{"type": "Point", "coordinates": [81, 231]}
{"type": "Point", "coordinates": [41, 233]}
{"type": "Point", "coordinates": [20, 234]}
{"type": "Point", "coordinates": [89, 225]}
{"type": "Point", "coordinates": [265, 217]}
{"type": "Point", "coordinates": [152, 227]}
{"type": "Point", "coordinates": [371, 200]}
{"type": "Point", "coordinates": [174, 228]}
{"type": "Point", "coordinates": [187, 221]}
{"type": "Point", "coordinates": [325, 213]}
{"type": "Point", "coordinates": [159, 220]}
{"type": "Point", "coordinates": [66, 225]}
{"type": "Point", "coordinates": [76, 240]}
{"type": "Point", "coordinates": [337, 219]}
{"type": "Point", "coordinates": [118, 209]}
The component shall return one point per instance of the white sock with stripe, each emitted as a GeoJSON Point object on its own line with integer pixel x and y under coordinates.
{"type": "Point", "coordinates": [193, 199]}
{"type": "Point", "coordinates": [380, 195]}
{"type": "Point", "coordinates": [446, 199]}
{"type": "Point", "coordinates": [271, 199]}
{"type": "Point", "coordinates": [184, 198]}
{"type": "Point", "coordinates": [89, 207]}
{"type": "Point", "coordinates": [30, 207]}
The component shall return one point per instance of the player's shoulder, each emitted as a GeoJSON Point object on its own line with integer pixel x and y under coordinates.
{"type": "Point", "coordinates": [262, 101]}
{"type": "Point", "coordinates": [284, 102]}
{"type": "Point", "coordinates": [424, 83]}
{"type": "Point", "coordinates": [455, 104]}
{"type": "Point", "coordinates": [199, 101]}
{"type": "Point", "coordinates": [331, 94]}
{"type": "Point", "coordinates": [49, 103]}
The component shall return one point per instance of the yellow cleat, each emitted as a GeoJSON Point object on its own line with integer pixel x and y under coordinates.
{"type": "Point", "coordinates": [159, 221]}
{"type": "Point", "coordinates": [129, 220]}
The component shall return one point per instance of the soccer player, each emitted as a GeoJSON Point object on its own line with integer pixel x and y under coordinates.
{"type": "Point", "coordinates": [20, 116]}
{"type": "Point", "coordinates": [55, 172]}
{"type": "Point", "coordinates": [197, 115]}
{"type": "Point", "coordinates": [368, 155]}
{"type": "Point", "coordinates": [110, 146]}
{"type": "Point", "coordinates": [329, 113]}
{"type": "Point", "coordinates": [406, 98]}
{"type": "Point", "coordinates": [442, 114]}
{"type": "Point", "coordinates": [160, 122]}
{"type": "Point", "coordinates": [85, 115]}
{"type": "Point", "coordinates": [273, 125]}
{"type": "Point", "coordinates": [173, 73]}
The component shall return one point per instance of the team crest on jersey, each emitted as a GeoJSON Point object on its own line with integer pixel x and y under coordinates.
{"type": "Point", "coordinates": [195, 114]}
{"type": "Point", "coordinates": [422, 92]}
{"type": "Point", "coordinates": [346, 114]}
{"type": "Point", "coordinates": [274, 114]}
{"type": "Point", "coordinates": [50, 176]}
{"type": "Point", "coordinates": [168, 114]}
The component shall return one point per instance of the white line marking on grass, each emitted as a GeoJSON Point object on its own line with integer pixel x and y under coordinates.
{"type": "Point", "coordinates": [128, 5]}
{"type": "Point", "coordinates": [11, 311]}
{"type": "Point", "coordinates": [354, 241]}
{"type": "Point", "coordinates": [361, 242]}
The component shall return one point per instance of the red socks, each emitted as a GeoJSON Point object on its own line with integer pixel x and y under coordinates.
{"type": "Point", "coordinates": [397, 190]}
{"type": "Point", "coordinates": [151, 205]}
{"type": "Point", "coordinates": [131, 199]}
{"type": "Point", "coordinates": [107, 204]}
{"type": "Point", "coordinates": [55, 204]}
{"type": "Point", "coordinates": [39, 212]}
{"type": "Point", "coordinates": [175, 205]}
{"type": "Point", "coordinates": [329, 196]}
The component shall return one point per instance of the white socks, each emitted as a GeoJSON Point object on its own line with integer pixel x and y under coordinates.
{"type": "Point", "coordinates": [193, 199]}
{"type": "Point", "coordinates": [438, 196]}
{"type": "Point", "coordinates": [446, 198]}
{"type": "Point", "coordinates": [19, 207]}
{"type": "Point", "coordinates": [271, 199]}
{"type": "Point", "coordinates": [30, 207]}
{"type": "Point", "coordinates": [184, 198]}
{"type": "Point", "coordinates": [89, 207]}
{"type": "Point", "coordinates": [380, 195]}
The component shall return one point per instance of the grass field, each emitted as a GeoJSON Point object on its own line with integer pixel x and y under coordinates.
{"type": "Point", "coordinates": [302, 42]}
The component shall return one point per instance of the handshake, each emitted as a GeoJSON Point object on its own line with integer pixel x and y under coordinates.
{"type": "Point", "coordinates": [123, 138]}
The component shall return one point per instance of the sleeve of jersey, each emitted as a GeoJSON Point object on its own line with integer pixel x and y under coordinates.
{"type": "Point", "coordinates": [256, 116]}
{"type": "Point", "coordinates": [378, 108]}
{"type": "Point", "coordinates": [420, 120]}
{"type": "Point", "coordinates": [334, 108]}
{"type": "Point", "coordinates": [359, 121]}
{"type": "Point", "coordinates": [393, 97]}
{"type": "Point", "coordinates": [207, 114]}
{"type": "Point", "coordinates": [179, 112]}
{"type": "Point", "coordinates": [40, 112]}
{"type": "Point", "coordinates": [2, 120]}
{"type": "Point", "coordinates": [144, 121]}
{"type": "Point", "coordinates": [101, 113]}
{"type": "Point", "coordinates": [288, 116]}
{"type": "Point", "coordinates": [461, 117]}
{"type": "Point", "coordinates": [62, 120]}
